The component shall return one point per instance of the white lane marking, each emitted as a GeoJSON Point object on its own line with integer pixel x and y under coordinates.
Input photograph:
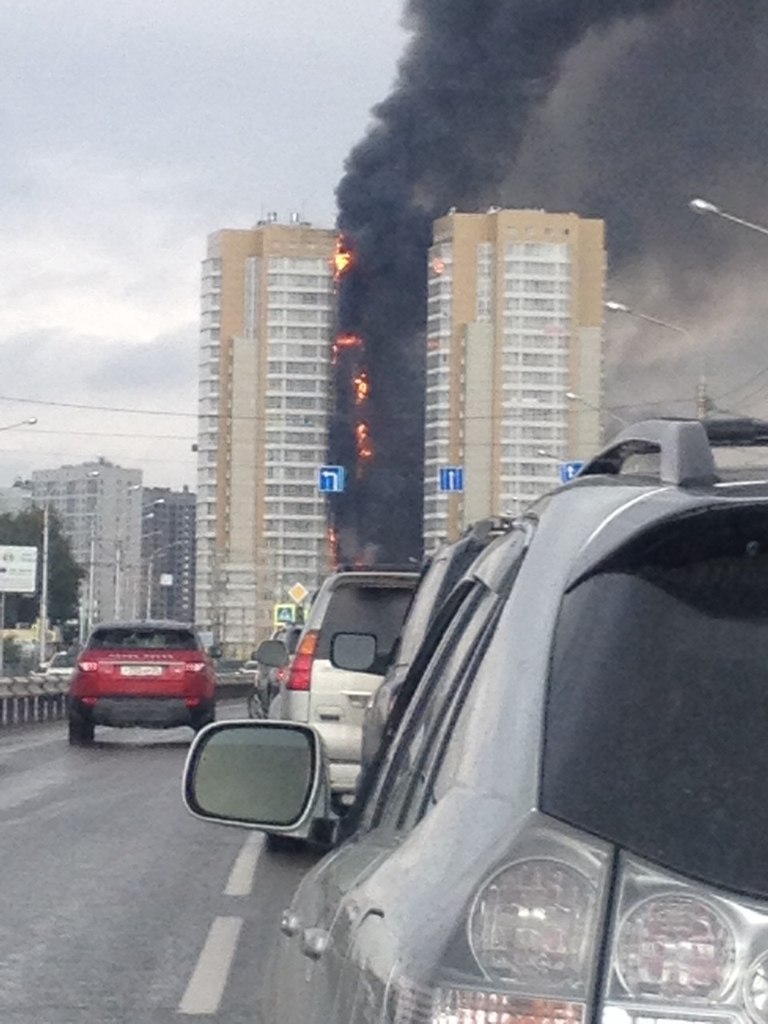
{"type": "Point", "coordinates": [243, 871]}
{"type": "Point", "coordinates": [209, 978]}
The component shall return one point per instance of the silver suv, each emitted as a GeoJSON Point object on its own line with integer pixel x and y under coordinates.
{"type": "Point", "coordinates": [341, 658]}
{"type": "Point", "coordinates": [568, 820]}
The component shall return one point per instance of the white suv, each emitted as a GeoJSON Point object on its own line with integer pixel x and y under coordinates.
{"type": "Point", "coordinates": [372, 605]}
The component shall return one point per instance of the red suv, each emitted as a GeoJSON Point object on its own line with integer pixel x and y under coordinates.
{"type": "Point", "coordinates": [154, 674]}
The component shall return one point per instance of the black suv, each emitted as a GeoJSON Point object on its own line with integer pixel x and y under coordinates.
{"type": "Point", "coordinates": [566, 823]}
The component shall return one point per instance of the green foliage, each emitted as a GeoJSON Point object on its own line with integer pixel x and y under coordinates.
{"type": "Point", "coordinates": [12, 653]}
{"type": "Point", "coordinates": [64, 574]}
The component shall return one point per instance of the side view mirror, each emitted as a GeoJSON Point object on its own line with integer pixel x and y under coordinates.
{"type": "Point", "coordinates": [258, 774]}
{"type": "Point", "coordinates": [272, 653]}
{"type": "Point", "coordinates": [353, 651]}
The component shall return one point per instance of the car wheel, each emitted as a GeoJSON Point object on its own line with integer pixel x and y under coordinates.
{"type": "Point", "coordinates": [80, 731]}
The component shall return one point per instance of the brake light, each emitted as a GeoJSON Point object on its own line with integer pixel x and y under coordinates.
{"type": "Point", "coordinates": [195, 666]}
{"type": "Point", "coordinates": [191, 702]}
{"type": "Point", "coordinates": [300, 677]}
{"type": "Point", "coordinates": [88, 666]}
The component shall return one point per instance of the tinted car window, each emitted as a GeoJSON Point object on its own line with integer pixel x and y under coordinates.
{"type": "Point", "coordinates": [360, 609]}
{"type": "Point", "coordinates": [656, 732]}
{"type": "Point", "coordinates": [127, 637]}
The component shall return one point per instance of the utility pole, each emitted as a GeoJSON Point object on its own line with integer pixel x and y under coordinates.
{"type": "Point", "coordinates": [43, 613]}
{"type": "Point", "coordinates": [702, 399]}
{"type": "Point", "coordinates": [91, 575]}
{"type": "Point", "coordinates": [150, 575]}
{"type": "Point", "coordinates": [118, 579]}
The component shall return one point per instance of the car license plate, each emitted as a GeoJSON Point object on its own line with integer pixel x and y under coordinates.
{"type": "Point", "coordinates": [141, 670]}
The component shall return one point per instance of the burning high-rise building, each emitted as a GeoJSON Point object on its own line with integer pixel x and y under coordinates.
{"type": "Point", "coordinates": [618, 109]}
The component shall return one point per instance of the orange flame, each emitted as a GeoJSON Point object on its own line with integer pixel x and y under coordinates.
{"type": "Point", "coordinates": [363, 438]}
{"type": "Point", "coordinates": [345, 341]}
{"type": "Point", "coordinates": [342, 260]}
{"type": "Point", "coordinates": [333, 548]}
{"type": "Point", "coordinates": [362, 385]}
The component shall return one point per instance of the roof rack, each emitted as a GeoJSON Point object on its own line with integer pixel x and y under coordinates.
{"type": "Point", "coordinates": [684, 447]}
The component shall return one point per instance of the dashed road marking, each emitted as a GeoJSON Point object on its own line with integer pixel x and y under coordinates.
{"type": "Point", "coordinates": [209, 978]}
{"type": "Point", "coordinates": [240, 882]}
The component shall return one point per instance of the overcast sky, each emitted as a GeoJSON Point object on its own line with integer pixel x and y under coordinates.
{"type": "Point", "coordinates": [130, 131]}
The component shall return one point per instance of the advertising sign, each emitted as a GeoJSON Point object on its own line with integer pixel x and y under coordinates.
{"type": "Point", "coordinates": [18, 569]}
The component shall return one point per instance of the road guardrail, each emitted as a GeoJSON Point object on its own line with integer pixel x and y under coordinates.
{"type": "Point", "coordinates": [30, 699]}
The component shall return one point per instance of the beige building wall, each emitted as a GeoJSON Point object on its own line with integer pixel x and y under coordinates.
{"type": "Point", "coordinates": [515, 314]}
{"type": "Point", "coordinates": [267, 305]}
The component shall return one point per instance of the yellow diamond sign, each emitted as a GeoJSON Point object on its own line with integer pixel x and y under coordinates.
{"type": "Point", "coordinates": [298, 592]}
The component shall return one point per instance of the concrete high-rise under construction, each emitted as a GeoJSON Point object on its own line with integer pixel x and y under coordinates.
{"type": "Point", "coordinates": [514, 359]}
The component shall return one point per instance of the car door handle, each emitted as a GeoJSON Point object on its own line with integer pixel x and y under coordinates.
{"type": "Point", "coordinates": [290, 924]}
{"type": "Point", "coordinates": [314, 942]}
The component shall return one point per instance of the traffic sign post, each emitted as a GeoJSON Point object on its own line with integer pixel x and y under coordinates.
{"type": "Point", "coordinates": [284, 614]}
{"type": "Point", "coordinates": [297, 593]}
{"type": "Point", "coordinates": [452, 479]}
{"type": "Point", "coordinates": [331, 479]}
{"type": "Point", "coordinates": [570, 470]}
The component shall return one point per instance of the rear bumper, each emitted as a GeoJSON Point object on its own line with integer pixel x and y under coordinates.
{"type": "Point", "coordinates": [150, 712]}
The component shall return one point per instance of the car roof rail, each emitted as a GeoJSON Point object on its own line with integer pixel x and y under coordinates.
{"type": "Point", "coordinates": [683, 447]}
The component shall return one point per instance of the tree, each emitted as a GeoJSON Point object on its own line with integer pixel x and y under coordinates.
{"type": "Point", "coordinates": [64, 574]}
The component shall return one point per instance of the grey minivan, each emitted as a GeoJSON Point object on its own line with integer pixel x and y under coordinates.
{"type": "Point", "coordinates": [567, 823]}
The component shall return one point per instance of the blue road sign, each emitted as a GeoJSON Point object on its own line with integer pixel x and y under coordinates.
{"type": "Point", "coordinates": [331, 479]}
{"type": "Point", "coordinates": [569, 470]}
{"type": "Point", "coordinates": [452, 479]}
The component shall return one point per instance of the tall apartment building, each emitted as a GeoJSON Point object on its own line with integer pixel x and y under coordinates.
{"type": "Point", "coordinates": [99, 505]}
{"type": "Point", "coordinates": [168, 554]}
{"type": "Point", "coordinates": [267, 309]}
{"type": "Point", "coordinates": [515, 315]}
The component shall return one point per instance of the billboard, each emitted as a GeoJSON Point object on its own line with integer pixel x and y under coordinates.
{"type": "Point", "coordinates": [18, 569]}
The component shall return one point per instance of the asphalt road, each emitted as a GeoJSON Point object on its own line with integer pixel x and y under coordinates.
{"type": "Point", "coordinates": [117, 905]}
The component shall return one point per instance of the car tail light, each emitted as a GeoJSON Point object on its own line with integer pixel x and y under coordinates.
{"type": "Point", "coordinates": [682, 952]}
{"type": "Point", "coordinates": [675, 946]}
{"type": "Point", "coordinates": [529, 923]}
{"type": "Point", "coordinates": [300, 676]}
{"type": "Point", "coordinates": [191, 702]}
{"type": "Point", "coordinates": [195, 666]}
{"type": "Point", "coordinates": [88, 666]}
{"type": "Point", "coordinates": [527, 950]}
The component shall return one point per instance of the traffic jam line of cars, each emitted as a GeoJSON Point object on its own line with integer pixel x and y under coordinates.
{"type": "Point", "coordinates": [560, 815]}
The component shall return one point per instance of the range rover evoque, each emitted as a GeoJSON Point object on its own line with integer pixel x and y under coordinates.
{"type": "Point", "coordinates": [567, 822]}
{"type": "Point", "coordinates": [152, 674]}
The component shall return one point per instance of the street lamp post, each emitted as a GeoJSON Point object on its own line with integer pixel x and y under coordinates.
{"type": "Point", "coordinates": [572, 396]}
{"type": "Point", "coordinates": [151, 572]}
{"type": "Point", "coordinates": [704, 207]}
{"type": "Point", "coordinates": [702, 398]}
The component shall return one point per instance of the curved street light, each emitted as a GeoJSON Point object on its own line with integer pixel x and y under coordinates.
{"type": "Point", "coordinates": [572, 396]}
{"type": "Point", "coordinates": [702, 399]}
{"type": "Point", "coordinates": [30, 422]}
{"type": "Point", "coordinates": [704, 207]}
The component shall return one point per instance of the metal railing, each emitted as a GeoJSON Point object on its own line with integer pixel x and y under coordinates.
{"type": "Point", "coordinates": [31, 699]}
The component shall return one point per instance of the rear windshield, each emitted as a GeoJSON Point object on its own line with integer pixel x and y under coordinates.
{"type": "Point", "coordinates": [657, 720]}
{"type": "Point", "coordinates": [355, 608]}
{"type": "Point", "coordinates": [130, 637]}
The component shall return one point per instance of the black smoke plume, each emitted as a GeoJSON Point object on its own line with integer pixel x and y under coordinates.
{"type": "Point", "coordinates": [622, 109]}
